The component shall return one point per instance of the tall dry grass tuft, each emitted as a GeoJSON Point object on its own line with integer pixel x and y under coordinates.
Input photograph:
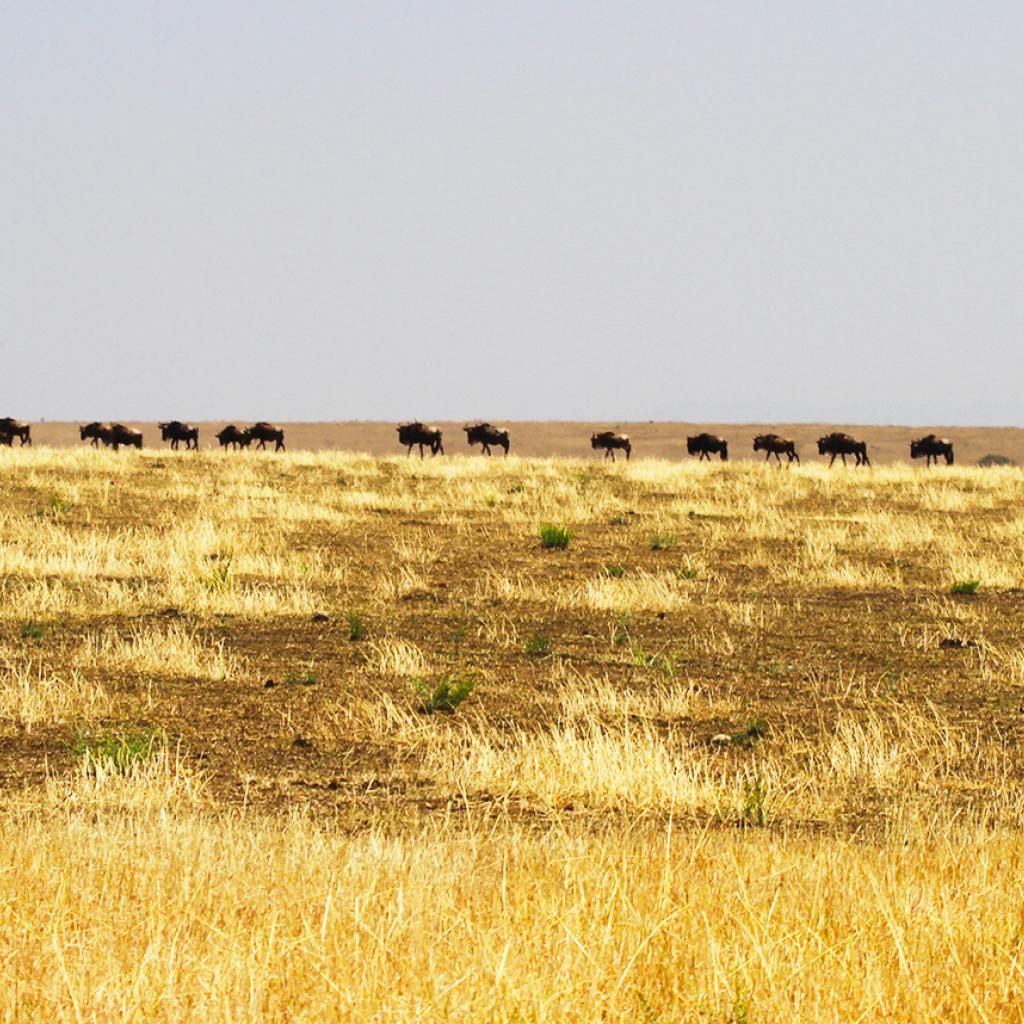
{"type": "Point", "coordinates": [31, 696]}
{"type": "Point", "coordinates": [173, 650]}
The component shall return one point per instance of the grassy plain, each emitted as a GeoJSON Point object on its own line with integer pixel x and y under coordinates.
{"type": "Point", "coordinates": [737, 753]}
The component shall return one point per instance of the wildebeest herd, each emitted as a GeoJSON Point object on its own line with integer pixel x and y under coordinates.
{"type": "Point", "coordinates": [425, 437]}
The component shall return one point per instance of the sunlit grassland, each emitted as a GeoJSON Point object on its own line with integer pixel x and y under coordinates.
{"type": "Point", "coordinates": [768, 768]}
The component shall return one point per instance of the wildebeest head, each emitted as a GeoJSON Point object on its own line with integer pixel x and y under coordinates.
{"type": "Point", "coordinates": [823, 445]}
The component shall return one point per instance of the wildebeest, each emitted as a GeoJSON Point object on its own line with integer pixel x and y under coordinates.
{"type": "Point", "coordinates": [175, 431]}
{"type": "Point", "coordinates": [95, 432]}
{"type": "Point", "coordinates": [412, 434]}
{"type": "Point", "coordinates": [842, 444]}
{"type": "Point", "coordinates": [234, 437]}
{"type": "Point", "coordinates": [773, 444]}
{"type": "Point", "coordinates": [932, 447]}
{"type": "Point", "coordinates": [485, 434]}
{"type": "Point", "coordinates": [610, 441]}
{"type": "Point", "coordinates": [264, 432]}
{"type": "Point", "coordinates": [704, 444]}
{"type": "Point", "coordinates": [118, 434]}
{"type": "Point", "coordinates": [16, 428]}
{"type": "Point", "coordinates": [6, 437]}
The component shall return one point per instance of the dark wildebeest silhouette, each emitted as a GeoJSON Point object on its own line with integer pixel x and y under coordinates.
{"type": "Point", "coordinates": [704, 444]}
{"type": "Point", "coordinates": [6, 437]}
{"type": "Point", "coordinates": [412, 434]}
{"type": "Point", "coordinates": [117, 434]}
{"type": "Point", "coordinates": [16, 428]}
{"type": "Point", "coordinates": [94, 431]}
{"type": "Point", "coordinates": [773, 444]}
{"type": "Point", "coordinates": [486, 435]}
{"type": "Point", "coordinates": [264, 432]}
{"type": "Point", "coordinates": [933, 448]}
{"type": "Point", "coordinates": [610, 441]}
{"type": "Point", "coordinates": [234, 437]}
{"type": "Point", "coordinates": [842, 444]}
{"type": "Point", "coordinates": [176, 432]}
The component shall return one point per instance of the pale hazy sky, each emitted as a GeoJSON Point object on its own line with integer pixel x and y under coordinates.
{"type": "Point", "coordinates": [580, 210]}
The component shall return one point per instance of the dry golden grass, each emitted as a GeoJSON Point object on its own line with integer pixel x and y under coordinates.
{"type": "Point", "coordinates": [768, 770]}
{"type": "Point", "coordinates": [174, 650]}
{"type": "Point", "coordinates": [146, 915]}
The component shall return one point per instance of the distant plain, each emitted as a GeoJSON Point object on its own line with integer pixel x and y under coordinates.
{"type": "Point", "coordinates": [569, 439]}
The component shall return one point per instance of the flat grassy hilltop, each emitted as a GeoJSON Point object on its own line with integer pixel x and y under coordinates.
{"type": "Point", "coordinates": [316, 736]}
